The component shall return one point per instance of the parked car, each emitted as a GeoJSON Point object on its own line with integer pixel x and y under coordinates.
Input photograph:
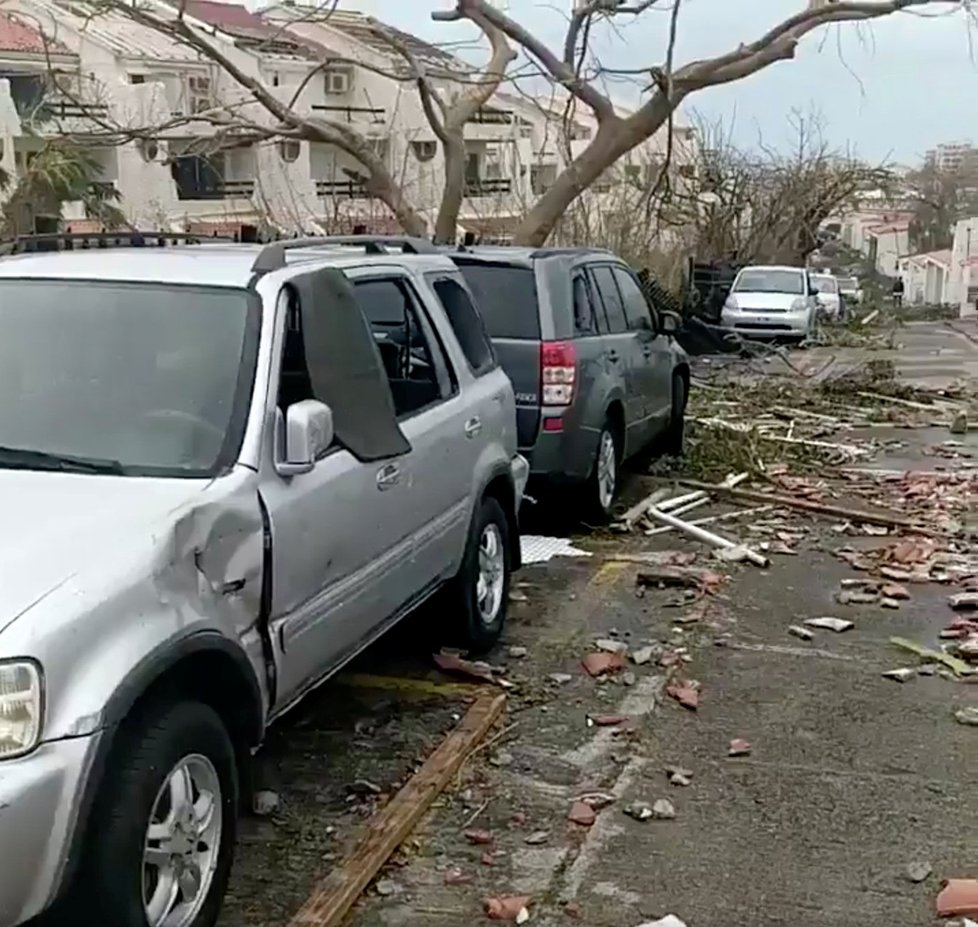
{"type": "Point", "coordinates": [828, 299]}
{"type": "Point", "coordinates": [769, 301]}
{"type": "Point", "coordinates": [598, 374]}
{"type": "Point", "coordinates": [224, 470]}
{"type": "Point", "coordinates": [850, 291]}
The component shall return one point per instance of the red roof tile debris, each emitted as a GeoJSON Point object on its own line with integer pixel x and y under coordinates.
{"type": "Point", "coordinates": [19, 36]}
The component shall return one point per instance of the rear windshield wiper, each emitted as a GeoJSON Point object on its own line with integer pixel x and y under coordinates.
{"type": "Point", "coordinates": [21, 458]}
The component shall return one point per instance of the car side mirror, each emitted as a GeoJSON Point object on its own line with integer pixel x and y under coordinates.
{"type": "Point", "coordinates": [814, 291]}
{"type": "Point", "coordinates": [669, 322]}
{"type": "Point", "coordinates": [305, 431]}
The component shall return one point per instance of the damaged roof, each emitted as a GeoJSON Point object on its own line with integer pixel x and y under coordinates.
{"type": "Point", "coordinates": [26, 39]}
{"type": "Point", "coordinates": [248, 28]}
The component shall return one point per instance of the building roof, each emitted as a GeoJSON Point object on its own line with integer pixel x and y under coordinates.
{"type": "Point", "coordinates": [114, 31]}
{"type": "Point", "coordinates": [248, 28]}
{"type": "Point", "coordinates": [25, 39]}
{"type": "Point", "coordinates": [888, 227]}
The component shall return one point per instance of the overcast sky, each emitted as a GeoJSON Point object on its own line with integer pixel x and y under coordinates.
{"type": "Point", "coordinates": [891, 89]}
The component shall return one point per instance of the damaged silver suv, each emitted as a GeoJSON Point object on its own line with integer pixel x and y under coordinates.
{"type": "Point", "coordinates": [224, 471]}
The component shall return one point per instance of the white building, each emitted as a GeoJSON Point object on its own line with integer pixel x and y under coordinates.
{"type": "Point", "coordinates": [963, 285]}
{"type": "Point", "coordinates": [132, 76]}
{"type": "Point", "coordinates": [926, 278]}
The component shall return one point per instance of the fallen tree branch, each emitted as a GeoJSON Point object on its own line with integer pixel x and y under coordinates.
{"type": "Point", "coordinates": [807, 505]}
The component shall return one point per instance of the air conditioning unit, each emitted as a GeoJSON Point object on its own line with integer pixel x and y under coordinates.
{"type": "Point", "coordinates": [338, 81]}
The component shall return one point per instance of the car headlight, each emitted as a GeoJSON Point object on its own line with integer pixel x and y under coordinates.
{"type": "Point", "coordinates": [20, 708]}
{"type": "Point", "coordinates": [731, 305]}
{"type": "Point", "coordinates": [799, 305]}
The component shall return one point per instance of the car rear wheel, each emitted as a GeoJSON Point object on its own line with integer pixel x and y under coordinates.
{"type": "Point", "coordinates": [161, 838]}
{"type": "Point", "coordinates": [481, 589]}
{"type": "Point", "coordinates": [602, 486]}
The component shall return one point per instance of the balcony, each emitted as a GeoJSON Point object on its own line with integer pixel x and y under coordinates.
{"type": "Point", "coordinates": [482, 186]}
{"type": "Point", "coordinates": [341, 189]}
{"type": "Point", "coordinates": [225, 190]}
{"type": "Point", "coordinates": [366, 119]}
{"type": "Point", "coordinates": [71, 109]}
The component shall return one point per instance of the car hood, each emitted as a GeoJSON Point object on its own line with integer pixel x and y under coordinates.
{"type": "Point", "coordinates": [765, 301]}
{"type": "Point", "coordinates": [55, 525]}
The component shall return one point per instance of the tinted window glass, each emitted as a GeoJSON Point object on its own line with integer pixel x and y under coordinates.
{"type": "Point", "coordinates": [613, 306]}
{"type": "Point", "coordinates": [585, 319]}
{"type": "Point", "coordinates": [407, 354]}
{"type": "Point", "coordinates": [507, 298]}
{"type": "Point", "coordinates": [144, 374]}
{"type": "Point", "coordinates": [466, 323]}
{"type": "Point", "coordinates": [636, 308]}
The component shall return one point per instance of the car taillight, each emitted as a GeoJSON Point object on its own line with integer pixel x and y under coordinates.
{"type": "Point", "coordinates": [558, 372]}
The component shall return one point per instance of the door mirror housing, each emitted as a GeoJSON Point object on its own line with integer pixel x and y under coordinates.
{"type": "Point", "coordinates": [669, 322]}
{"type": "Point", "coordinates": [304, 432]}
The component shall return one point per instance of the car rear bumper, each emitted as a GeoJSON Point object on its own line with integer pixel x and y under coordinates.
{"type": "Point", "coordinates": [566, 455]}
{"type": "Point", "coordinates": [39, 798]}
{"type": "Point", "coordinates": [766, 324]}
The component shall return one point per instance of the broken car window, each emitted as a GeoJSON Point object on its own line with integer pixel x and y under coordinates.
{"type": "Point", "coordinates": [467, 324]}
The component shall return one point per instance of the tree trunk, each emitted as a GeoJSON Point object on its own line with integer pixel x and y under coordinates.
{"type": "Point", "coordinates": [615, 137]}
{"type": "Point", "coordinates": [385, 188]}
{"type": "Point", "coordinates": [446, 225]}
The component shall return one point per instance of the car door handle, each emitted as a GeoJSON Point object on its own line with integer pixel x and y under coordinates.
{"type": "Point", "coordinates": [388, 476]}
{"type": "Point", "coordinates": [472, 427]}
{"type": "Point", "coordinates": [647, 351]}
{"type": "Point", "coordinates": [613, 356]}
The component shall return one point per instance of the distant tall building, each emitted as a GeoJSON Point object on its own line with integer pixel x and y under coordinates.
{"type": "Point", "coordinates": [952, 157]}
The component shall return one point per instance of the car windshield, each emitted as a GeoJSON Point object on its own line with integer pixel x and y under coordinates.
{"type": "Point", "coordinates": [139, 379]}
{"type": "Point", "coordinates": [825, 284]}
{"type": "Point", "coordinates": [770, 280]}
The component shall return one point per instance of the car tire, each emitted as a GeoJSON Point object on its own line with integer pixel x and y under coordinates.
{"type": "Point", "coordinates": [674, 438]}
{"type": "Point", "coordinates": [171, 750]}
{"type": "Point", "coordinates": [481, 589]}
{"type": "Point", "coordinates": [602, 485]}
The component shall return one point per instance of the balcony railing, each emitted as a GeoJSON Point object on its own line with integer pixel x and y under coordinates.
{"type": "Point", "coordinates": [492, 117]}
{"type": "Point", "coordinates": [342, 189]}
{"type": "Point", "coordinates": [488, 187]}
{"type": "Point", "coordinates": [228, 190]}
{"type": "Point", "coordinates": [351, 113]}
{"type": "Point", "coordinates": [69, 109]}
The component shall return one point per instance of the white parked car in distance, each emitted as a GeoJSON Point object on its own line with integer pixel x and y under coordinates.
{"type": "Point", "coordinates": [769, 301]}
{"type": "Point", "coordinates": [828, 297]}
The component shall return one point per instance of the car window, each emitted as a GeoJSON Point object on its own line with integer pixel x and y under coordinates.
{"type": "Point", "coordinates": [825, 284]}
{"type": "Point", "coordinates": [611, 299]}
{"type": "Point", "coordinates": [585, 317]}
{"type": "Point", "coordinates": [506, 297]}
{"type": "Point", "coordinates": [637, 312]}
{"type": "Point", "coordinates": [466, 322]}
{"type": "Point", "coordinates": [415, 366]}
{"type": "Point", "coordinates": [770, 280]}
{"type": "Point", "coordinates": [151, 376]}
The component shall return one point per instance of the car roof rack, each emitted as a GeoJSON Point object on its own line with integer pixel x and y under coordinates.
{"type": "Point", "coordinates": [86, 241]}
{"type": "Point", "coordinates": [273, 255]}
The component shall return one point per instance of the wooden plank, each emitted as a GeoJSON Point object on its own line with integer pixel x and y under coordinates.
{"type": "Point", "coordinates": [333, 897]}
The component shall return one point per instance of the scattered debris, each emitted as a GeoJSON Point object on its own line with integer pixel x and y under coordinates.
{"type": "Point", "coordinates": [517, 653]}
{"type": "Point", "coordinates": [683, 577]}
{"type": "Point", "coordinates": [643, 655]}
{"type": "Point", "coordinates": [560, 678]}
{"type": "Point", "coordinates": [597, 800]}
{"type": "Point", "coordinates": [918, 870]}
{"type": "Point", "coordinates": [601, 664]}
{"type": "Point", "coordinates": [670, 920]}
{"type": "Point", "coordinates": [639, 810]}
{"type": "Point", "coordinates": [515, 908]}
{"type": "Point", "coordinates": [968, 715]}
{"type": "Point", "coordinates": [537, 838]}
{"type": "Point", "coordinates": [605, 720]}
{"type": "Point", "coordinates": [537, 549]}
{"type": "Point", "coordinates": [628, 679]}
{"type": "Point", "coordinates": [611, 646]}
{"type": "Point", "coordinates": [889, 603]}
{"type": "Point", "coordinates": [679, 775]}
{"type": "Point", "coordinates": [829, 623]}
{"type": "Point", "coordinates": [894, 591]}
{"type": "Point", "coordinates": [857, 598]}
{"type": "Point", "coordinates": [478, 837]}
{"type": "Point", "coordinates": [739, 747]}
{"type": "Point", "coordinates": [964, 601]}
{"type": "Point", "coordinates": [265, 803]}
{"type": "Point", "coordinates": [730, 550]}
{"type": "Point", "coordinates": [581, 813]}
{"type": "Point", "coordinates": [457, 876]}
{"type": "Point", "coordinates": [798, 631]}
{"type": "Point", "coordinates": [958, 896]}
{"type": "Point", "coordinates": [686, 693]}
{"type": "Point", "coordinates": [956, 665]}
{"type": "Point", "coordinates": [386, 887]}
{"type": "Point", "coordinates": [663, 810]}
{"type": "Point", "coordinates": [452, 663]}
{"type": "Point", "coordinates": [904, 674]}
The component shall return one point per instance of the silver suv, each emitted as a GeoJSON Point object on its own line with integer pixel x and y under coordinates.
{"type": "Point", "coordinates": [224, 471]}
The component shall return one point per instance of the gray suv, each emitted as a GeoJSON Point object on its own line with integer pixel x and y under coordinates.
{"type": "Point", "coordinates": [224, 471]}
{"type": "Point", "coordinates": [597, 373]}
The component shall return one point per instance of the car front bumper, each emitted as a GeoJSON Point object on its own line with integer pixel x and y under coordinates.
{"type": "Point", "coordinates": [40, 795]}
{"type": "Point", "coordinates": [767, 324]}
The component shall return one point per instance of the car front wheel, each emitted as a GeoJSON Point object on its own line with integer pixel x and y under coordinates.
{"type": "Point", "coordinates": [161, 838]}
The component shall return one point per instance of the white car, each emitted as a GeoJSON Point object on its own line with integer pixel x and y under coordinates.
{"type": "Point", "coordinates": [828, 297]}
{"type": "Point", "coordinates": [768, 301]}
